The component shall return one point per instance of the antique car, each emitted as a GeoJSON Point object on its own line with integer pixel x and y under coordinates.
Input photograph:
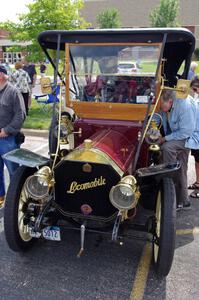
{"type": "Point", "coordinates": [104, 172]}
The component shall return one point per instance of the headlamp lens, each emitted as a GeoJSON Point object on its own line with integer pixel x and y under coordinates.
{"type": "Point", "coordinates": [37, 186]}
{"type": "Point", "coordinates": [122, 196]}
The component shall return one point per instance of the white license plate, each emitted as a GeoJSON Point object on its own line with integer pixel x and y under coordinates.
{"type": "Point", "coordinates": [52, 233]}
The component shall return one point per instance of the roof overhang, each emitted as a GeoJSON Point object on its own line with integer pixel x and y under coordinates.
{"type": "Point", "coordinates": [48, 39]}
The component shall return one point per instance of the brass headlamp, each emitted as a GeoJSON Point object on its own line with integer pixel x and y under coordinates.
{"type": "Point", "coordinates": [38, 185]}
{"type": "Point", "coordinates": [153, 134]}
{"type": "Point", "coordinates": [66, 128]}
{"type": "Point", "coordinates": [125, 194]}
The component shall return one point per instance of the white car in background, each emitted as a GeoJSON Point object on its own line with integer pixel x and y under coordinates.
{"type": "Point", "coordinates": [127, 68]}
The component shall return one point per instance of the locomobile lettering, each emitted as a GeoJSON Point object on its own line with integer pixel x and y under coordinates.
{"type": "Point", "coordinates": [87, 185]}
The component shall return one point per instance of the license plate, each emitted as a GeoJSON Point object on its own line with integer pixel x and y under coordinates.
{"type": "Point", "coordinates": [52, 233]}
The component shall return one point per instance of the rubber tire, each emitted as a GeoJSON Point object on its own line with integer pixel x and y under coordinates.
{"type": "Point", "coordinates": [167, 228]}
{"type": "Point", "coordinates": [12, 235]}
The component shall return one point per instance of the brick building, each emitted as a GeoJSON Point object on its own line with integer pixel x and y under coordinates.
{"type": "Point", "coordinates": [135, 13]}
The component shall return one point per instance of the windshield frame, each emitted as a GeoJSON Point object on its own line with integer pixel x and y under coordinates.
{"type": "Point", "coordinates": [86, 109]}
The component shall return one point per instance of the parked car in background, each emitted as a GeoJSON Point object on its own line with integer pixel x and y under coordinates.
{"type": "Point", "coordinates": [127, 68]}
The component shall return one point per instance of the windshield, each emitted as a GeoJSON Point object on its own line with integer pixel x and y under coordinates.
{"type": "Point", "coordinates": [113, 73]}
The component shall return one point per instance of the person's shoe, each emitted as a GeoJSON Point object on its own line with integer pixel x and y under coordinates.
{"type": "Point", "coordinates": [183, 206]}
{"type": "Point", "coordinates": [193, 186]}
{"type": "Point", "coordinates": [186, 206]}
{"type": "Point", "coordinates": [2, 200]}
{"type": "Point", "coordinates": [179, 206]}
{"type": "Point", "coordinates": [194, 194]}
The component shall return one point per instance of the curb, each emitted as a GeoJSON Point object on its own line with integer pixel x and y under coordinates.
{"type": "Point", "coordinates": [35, 132]}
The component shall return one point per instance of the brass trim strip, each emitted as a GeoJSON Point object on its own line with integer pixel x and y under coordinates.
{"type": "Point", "coordinates": [89, 217]}
{"type": "Point", "coordinates": [106, 159]}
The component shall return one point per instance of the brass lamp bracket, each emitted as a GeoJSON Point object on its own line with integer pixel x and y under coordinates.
{"type": "Point", "coordinates": [182, 88]}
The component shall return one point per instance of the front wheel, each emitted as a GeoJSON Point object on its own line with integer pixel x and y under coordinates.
{"type": "Point", "coordinates": [165, 227]}
{"type": "Point", "coordinates": [16, 229]}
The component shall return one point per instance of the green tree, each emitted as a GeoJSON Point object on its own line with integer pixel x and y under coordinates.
{"type": "Point", "coordinates": [45, 15]}
{"type": "Point", "coordinates": [109, 18]}
{"type": "Point", "coordinates": [165, 14]}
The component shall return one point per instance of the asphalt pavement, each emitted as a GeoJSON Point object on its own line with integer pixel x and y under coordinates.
{"type": "Point", "coordinates": [106, 271]}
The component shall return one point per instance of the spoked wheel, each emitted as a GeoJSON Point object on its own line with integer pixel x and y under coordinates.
{"type": "Point", "coordinates": [165, 227]}
{"type": "Point", "coordinates": [15, 226]}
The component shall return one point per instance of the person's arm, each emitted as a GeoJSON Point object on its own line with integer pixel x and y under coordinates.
{"type": "Point", "coordinates": [28, 78]}
{"type": "Point", "coordinates": [19, 115]}
{"type": "Point", "coordinates": [187, 123]}
{"type": "Point", "coordinates": [34, 80]}
{"type": "Point", "coordinates": [2, 133]}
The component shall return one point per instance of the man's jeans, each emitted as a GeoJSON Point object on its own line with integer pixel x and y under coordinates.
{"type": "Point", "coordinates": [172, 151]}
{"type": "Point", "coordinates": [6, 144]}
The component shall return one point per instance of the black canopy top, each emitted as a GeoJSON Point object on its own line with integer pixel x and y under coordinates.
{"type": "Point", "coordinates": [48, 39]}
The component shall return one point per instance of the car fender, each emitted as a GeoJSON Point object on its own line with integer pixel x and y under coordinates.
{"type": "Point", "coordinates": [26, 158]}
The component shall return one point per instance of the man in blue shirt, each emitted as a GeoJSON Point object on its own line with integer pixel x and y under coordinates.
{"type": "Point", "coordinates": [180, 115]}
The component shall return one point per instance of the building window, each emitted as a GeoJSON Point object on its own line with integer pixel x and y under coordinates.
{"type": "Point", "coordinates": [11, 57]}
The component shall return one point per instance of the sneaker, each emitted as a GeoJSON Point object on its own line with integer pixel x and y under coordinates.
{"type": "Point", "coordinates": [186, 206]}
{"type": "Point", "coordinates": [179, 206]}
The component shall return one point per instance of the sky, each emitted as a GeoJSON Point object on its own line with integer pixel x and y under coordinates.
{"type": "Point", "coordinates": [10, 9]}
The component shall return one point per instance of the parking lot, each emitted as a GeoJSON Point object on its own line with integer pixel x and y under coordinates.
{"type": "Point", "coordinates": [51, 270]}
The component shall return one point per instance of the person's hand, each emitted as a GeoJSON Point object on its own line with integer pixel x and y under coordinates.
{"type": "Point", "coordinates": [3, 134]}
{"type": "Point", "coordinates": [162, 140]}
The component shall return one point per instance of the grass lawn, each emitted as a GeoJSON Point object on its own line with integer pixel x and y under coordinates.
{"type": "Point", "coordinates": [149, 66]}
{"type": "Point", "coordinates": [49, 70]}
{"type": "Point", "coordinates": [37, 118]}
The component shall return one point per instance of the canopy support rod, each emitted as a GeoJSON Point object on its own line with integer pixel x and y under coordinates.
{"type": "Point", "coordinates": [151, 97]}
